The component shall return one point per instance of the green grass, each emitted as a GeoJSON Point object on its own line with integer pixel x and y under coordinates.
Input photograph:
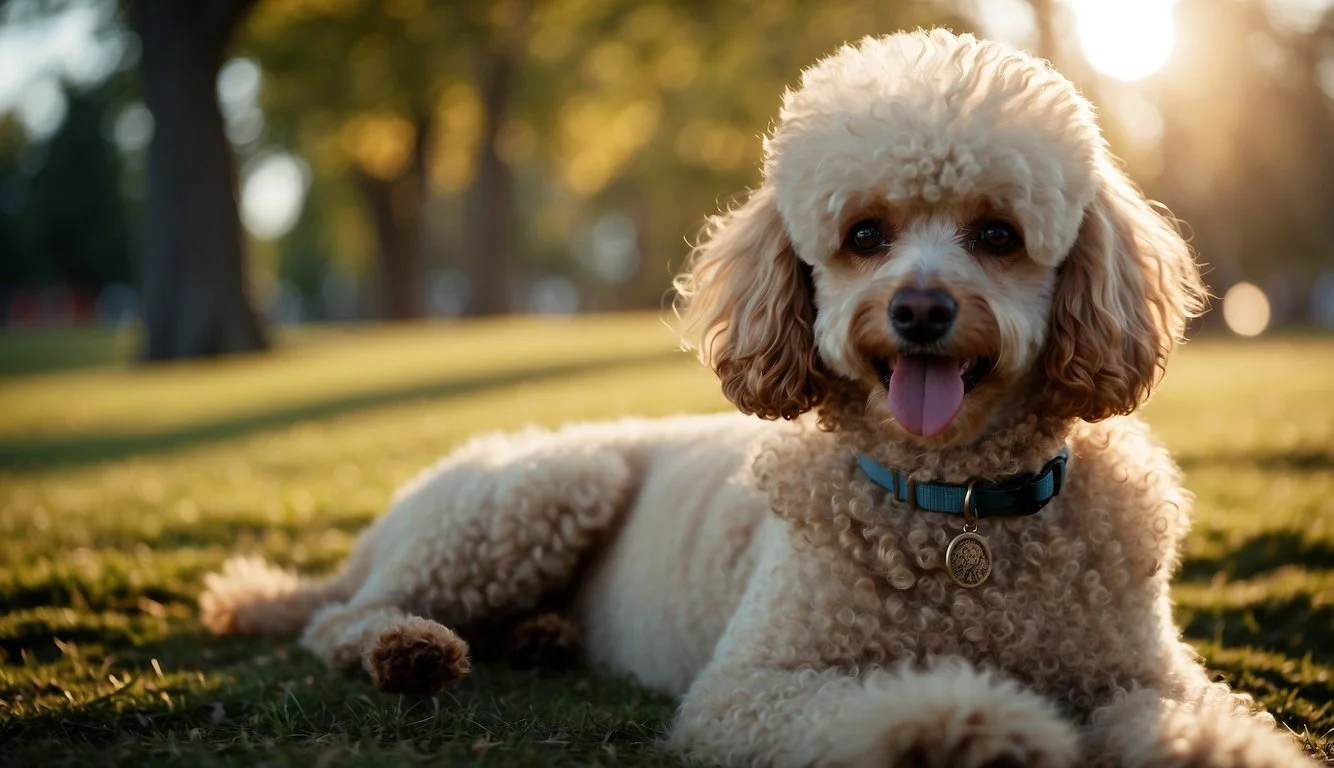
{"type": "Point", "coordinates": [120, 487]}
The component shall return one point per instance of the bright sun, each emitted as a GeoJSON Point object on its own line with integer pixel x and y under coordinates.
{"type": "Point", "coordinates": [1125, 39]}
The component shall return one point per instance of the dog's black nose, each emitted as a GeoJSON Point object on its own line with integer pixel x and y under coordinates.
{"type": "Point", "coordinates": [922, 317]}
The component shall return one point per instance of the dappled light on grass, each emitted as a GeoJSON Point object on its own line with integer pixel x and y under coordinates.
{"type": "Point", "coordinates": [332, 371]}
{"type": "Point", "coordinates": [106, 555]}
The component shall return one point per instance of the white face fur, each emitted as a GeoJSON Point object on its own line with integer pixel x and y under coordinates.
{"type": "Point", "coordinates": [941, 224]}
{"type": "Point", "coordinates": [933, 176]}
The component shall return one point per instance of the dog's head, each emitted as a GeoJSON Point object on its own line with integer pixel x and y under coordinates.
{"type": "Point", "coordinates": [941, 224]}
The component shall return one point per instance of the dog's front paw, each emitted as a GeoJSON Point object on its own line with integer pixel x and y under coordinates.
{"type": "Point", "coordinates": [418, 657]}
{"type": "Point", "coordinates": [1218, 730]}
{"type": "Point", "coordinates": [978, 739]}
{"type": "Point", "coordinates": [953, 717]}
{"type": "Point", "coordinates": [978, 742]}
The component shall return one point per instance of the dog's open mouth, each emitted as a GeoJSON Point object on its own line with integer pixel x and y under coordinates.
{"type": "Point", "coordinates": [926, 391]}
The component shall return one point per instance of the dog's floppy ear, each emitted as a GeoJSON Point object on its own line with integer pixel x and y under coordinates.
{"type": "Point", "coordinates": [746, 300]}
{"type": "Point", "coordinates": [1123, 297]}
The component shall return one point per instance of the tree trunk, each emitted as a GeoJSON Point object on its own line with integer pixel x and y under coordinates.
{"type": "Point", "coordinates": [195, 291]}
{"type": "Point", "coordinates": [397, 208]}
{"type": "Point", "coordinates": [491, 223]}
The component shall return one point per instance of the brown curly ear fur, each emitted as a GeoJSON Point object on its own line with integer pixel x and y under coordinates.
{"type": "Point", "coordinates": [1122, 300]}
{"type": "Point", "coordinates": [747, 298]}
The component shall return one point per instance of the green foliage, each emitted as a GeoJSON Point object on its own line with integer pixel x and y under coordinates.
{"type": "Point", "coordinates": [120, 487]}
{"type": "Point", "coordinates": [71, 227]}
{"type": "Point", "coordinates": [654, 109]}
{"type": "Point", "coordinates": [651, 109]}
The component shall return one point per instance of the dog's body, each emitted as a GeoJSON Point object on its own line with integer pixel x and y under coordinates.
{"type": "Point", "coordinates": [803, 613]}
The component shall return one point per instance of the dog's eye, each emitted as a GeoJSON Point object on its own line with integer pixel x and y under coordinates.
{"type": "Point", "coordinates": [996, 236]}
{"type": "Point", "coordinates": [865, 237]}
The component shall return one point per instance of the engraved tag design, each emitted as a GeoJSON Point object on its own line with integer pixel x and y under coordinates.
{"type": "Point", "coordinates": [968, 560]}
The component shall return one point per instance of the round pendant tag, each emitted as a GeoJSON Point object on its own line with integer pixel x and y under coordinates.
{"type": "Point", "coordinates": [968, 560]}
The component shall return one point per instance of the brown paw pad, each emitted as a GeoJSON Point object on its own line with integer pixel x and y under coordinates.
{"type": "Point", "coordinates": [548, 641]}
{"type": "Point", "coordinates": [418, 657]}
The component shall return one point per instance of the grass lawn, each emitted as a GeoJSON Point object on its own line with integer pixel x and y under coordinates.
{"type": "Point", "coordinates": [120, 487]}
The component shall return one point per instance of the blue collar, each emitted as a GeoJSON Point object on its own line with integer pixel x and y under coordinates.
{"type": "Point", "coordinates": [1019, 495]}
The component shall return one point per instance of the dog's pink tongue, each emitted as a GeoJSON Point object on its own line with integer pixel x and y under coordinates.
{"type": "Point", "coordinates": [925, 393]}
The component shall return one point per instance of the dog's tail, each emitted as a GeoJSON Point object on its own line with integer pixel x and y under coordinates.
{"type": "Point", "coordinates": [250, 596]}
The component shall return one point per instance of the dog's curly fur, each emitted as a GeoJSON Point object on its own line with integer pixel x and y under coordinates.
{"type": "Point", "coordinates": [747, 565]}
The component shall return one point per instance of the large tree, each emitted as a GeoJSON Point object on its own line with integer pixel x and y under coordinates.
{"type": "Point", "coordinates": [194, 283]}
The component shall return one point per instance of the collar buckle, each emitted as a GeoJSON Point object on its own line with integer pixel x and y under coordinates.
{"type": "Point", "coordinates": [1027, 499]}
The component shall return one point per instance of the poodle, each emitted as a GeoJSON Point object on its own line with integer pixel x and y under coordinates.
{"type": "Point", "coordinates": [944, 541]}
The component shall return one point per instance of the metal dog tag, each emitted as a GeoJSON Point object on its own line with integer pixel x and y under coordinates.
{"type": "Point", "coordinates": [968, 560]}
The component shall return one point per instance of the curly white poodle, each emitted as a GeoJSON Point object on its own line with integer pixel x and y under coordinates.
{"type": "Point", "coordinates": [959, 557]}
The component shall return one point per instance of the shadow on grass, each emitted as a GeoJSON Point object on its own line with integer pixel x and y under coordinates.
{"type": "Point", "coordinates": [1272, 460]}
{"type": "Point", "coordinates": [114, 594]}
{"type": "Point", "coordinates": [231, 701]}
{"type": "Point", "coordinates": [1282, 680]}
{"type": "Point", "coordinates": [1260, 554]}
{"type": "Point", "coordinates": [83, 449]}
{"type": "Point", "coordinates": [1295, 626]}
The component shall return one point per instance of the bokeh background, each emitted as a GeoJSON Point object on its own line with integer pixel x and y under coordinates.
{"type": "Point", "coordinates": [406, 159]}
{"type": "Point", "coordinates": [261, 261]}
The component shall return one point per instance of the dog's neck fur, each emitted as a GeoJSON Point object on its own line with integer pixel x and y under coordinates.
{"type": "Point", "coordinates": [1020, 440]}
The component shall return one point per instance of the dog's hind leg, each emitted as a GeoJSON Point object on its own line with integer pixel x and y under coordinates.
{"type": "Point", "coordinates": [499, 524]}
{"type": "Point", "coordinates": [485, 534]}
{"type": "Point", "coordinates": [250, 596]}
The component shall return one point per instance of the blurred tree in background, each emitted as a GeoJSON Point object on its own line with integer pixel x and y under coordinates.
{"type": "Point", "coordinates": [195, 288]}
{"type": "Point", "coordinates": [1247, 145]}
{"type": "Point", "coordinates": [83, 238]}
{"type": "Point", "coordinates": [406, 158]}
{"type": "Point", "coordinates": [380, 118]}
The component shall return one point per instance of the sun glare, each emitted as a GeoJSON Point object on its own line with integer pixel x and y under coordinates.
{"type": "Point", "coordinates": [1246, 310]}
{"type": "Point", "coordinates": [1128, 40]}
{"type": "Point", "coordinates": [272, 195]}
